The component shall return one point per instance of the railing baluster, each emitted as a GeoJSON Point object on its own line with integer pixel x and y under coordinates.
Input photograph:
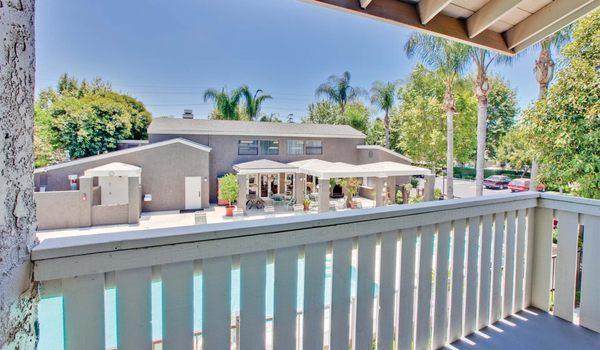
{"type": "Point", "coordinates": [178, 305]}
{"type": "Point", "coordinates": [496, 312]}
{"type": "Point", "coordinates": [509, 272]}
{"type": "Point", "coordinates": [520, 261]}
{"type": "Point", "coordinates": [314, 289]}
{"type": "Point", "coordinates": [285, 298]}
{"type": "Point", "coordinates": [83, 311]}
{"type": "Point", "coordinates": [440, 328]}
{"type": "Point", "coordinates": [472, 277]}
{"type": "Point", "coordinates": [458, 281]}
{"type": "Point", "coordinates": [253, 271]}
{"type": "Point", "coordinates": [134, 305]}
{"type": "Point", "coordinates": [589, 315]}
{"type": "Point", "coordinates": [424, 287]}
{"type": "Point", "coordinates": [406, 324]}
{"type": "Point", "coordinates": [542, 259]}
{"type": "Point", "coordinates": [387, 291]}
{"type": "Point", "coordinates": [566, 264]}
{"type": "Point", "coordinates": [340, 299]}
{"type": "Point", "coordinates": [485, 277]}
{"type": "Point", "coordinates": [527, 298]}
{"type": "Point", "coordinates": [216, 303]}
{"type": "Point", "coordinates": [365, 292]}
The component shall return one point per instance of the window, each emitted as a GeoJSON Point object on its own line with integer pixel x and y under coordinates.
{"type": "Point", "coordinates": [248, 147]}
{"type": "Point", "coordinates": [295, 147]}
{"type": "Point", "coordinates": [269, 147]}
{"type": "Point", "coordinates": [314, 147]}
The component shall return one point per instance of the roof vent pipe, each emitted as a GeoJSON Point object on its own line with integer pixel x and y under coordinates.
{"type": "Point", "coordinates": [187, 114]}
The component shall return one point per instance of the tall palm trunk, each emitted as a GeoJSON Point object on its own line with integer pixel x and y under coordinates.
{"type": "Point", "coordinates": [386, 123]}
{"type": "Point", "coordinates": [18, 295]}
{"type": "Point", "coordinates": [450, 109]}
{"type": "Point", "coordinates": [544, 72]}
{"type": "Point", "coordinates": [482, 89]}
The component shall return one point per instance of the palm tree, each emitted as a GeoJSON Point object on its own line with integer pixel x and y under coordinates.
{"type": "Point", "coordinates": [544, 72]}
{"type": "Point", "coordinates": [253, 101]}
{"type": "Point", "coordinates": [338, 90]}
{"type": "Point", "coordinates": [449, 59]}
{"type": "Point", "coordinates": [226, 104]}
{"type": "Point", "coordinates": [383, 95]}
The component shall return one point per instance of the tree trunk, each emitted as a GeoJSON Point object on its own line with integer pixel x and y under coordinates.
{"type": "Point", "coordinates": [544, 72]}
{"type": "Point", "coordinates": [386, 122]}
{"type": "Point", "coordinates": [18, 295]}
{"type": "Point", "coordinates": [482, 90]}
{"type": "Point", "coordinates": [449, 106]}
{"type": "Point", "coordinates": [450, 154]}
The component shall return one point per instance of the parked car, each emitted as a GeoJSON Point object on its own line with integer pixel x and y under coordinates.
{"type": "Point", "coordinates": [522, 185]}
{"type": "Point", "coordinates": [498, 182]}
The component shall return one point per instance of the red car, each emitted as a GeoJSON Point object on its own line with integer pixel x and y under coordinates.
{"type": "Point", "coordinates": [522, 185]}
{"type": "Point", "coordinates": [499, 182]}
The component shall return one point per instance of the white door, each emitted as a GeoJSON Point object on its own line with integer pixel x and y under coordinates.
{"type": "Point", "coordinates": [193, 192]}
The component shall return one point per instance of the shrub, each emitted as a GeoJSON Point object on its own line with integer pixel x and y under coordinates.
{"type": "Point", "coordinates": [229, 188]}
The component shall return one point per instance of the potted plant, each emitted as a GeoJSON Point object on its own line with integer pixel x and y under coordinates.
{"type": "Point", "coordinates": [228, 191]}
{"type": "Point", "coordinates": [351, 186]}
{"type": "Point", "coordinates": [306, 203]}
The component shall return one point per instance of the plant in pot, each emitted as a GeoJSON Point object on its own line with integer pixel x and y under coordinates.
{"type": "Point", "coordinates": [306, 203]}
{"type": "Point", "coordinates": [228, 191]}
{"type": "Point", "coordinates": [351, 186]}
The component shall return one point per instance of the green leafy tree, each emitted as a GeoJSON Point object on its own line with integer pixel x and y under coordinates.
{"type": "Point", "coordinates": [84, 119]}
{"type": "Point", "coordinates": [229, 188]}
{"type": "Point", "coordinates": [502, 111]}
{"type": "Point", "coordinates": [513, 149]}
{"type": "Point", "coordinates": [227, 105]}
{"type": "Point", "coordinates": [273, 118]}
{"type": "Point", "coordinates": [450, 59]}
{"type": "Point", "coordinates": [322, 112]}
{"type": "Point", "coordinates": [356, 115]}
{"type": "Point", "coordinates": [564, 126]}
{"type": "Point", "coordinates": [338, 90]}
{"type": "Point", "coordinates": [253, 101]}
{"type": "Point", "coordinates": [376, 133]}
{"type": "Point", "coordinates": [383, 95]}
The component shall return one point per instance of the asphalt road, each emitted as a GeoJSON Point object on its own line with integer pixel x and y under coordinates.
{"type": "Point", "coordinates": [466, 188]}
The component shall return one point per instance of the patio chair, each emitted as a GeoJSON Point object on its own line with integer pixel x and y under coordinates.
{"type": "Point", "coordinates": [290, 203]}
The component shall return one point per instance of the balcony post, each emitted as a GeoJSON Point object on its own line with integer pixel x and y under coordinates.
{"type": "Point", "coordinates": [542, 258]}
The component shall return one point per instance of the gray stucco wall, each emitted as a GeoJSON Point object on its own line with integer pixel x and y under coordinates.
{"type": "Point", "coordinates": [163, 174]}
{"type": "Point", "coordinates": [224, 153]}
{"type": "Point", "coordinates": [61, 209]}
{"type": "Point", "coordinates": [366, 156]}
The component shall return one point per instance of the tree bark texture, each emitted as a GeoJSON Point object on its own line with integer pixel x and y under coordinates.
{"type": "Point", "coordinates": [482, 89]}
{"type": "Point", "coordinates": [449, 106]}
{"type": "Point", "coordinates": [18, 295]}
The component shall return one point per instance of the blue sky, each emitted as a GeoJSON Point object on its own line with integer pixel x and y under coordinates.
{"type": "Point", "coordinates": [167, 53]}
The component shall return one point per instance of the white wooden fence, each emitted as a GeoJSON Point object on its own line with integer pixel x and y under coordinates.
{"type": "Point", "coordinates": [426, 275]}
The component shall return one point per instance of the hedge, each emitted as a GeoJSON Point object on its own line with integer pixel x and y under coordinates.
{"type": "Point", "coordinates": [469, 173]}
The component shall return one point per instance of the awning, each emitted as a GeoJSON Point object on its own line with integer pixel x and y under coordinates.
{"type": "Point", "coordinates": [327, 170]}
{"type": "Point", "coordinates": [115, 169]}
{"type": "Point", "coordinates": [263, 166]}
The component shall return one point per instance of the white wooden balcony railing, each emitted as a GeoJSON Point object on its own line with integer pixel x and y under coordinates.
{"type": "Point", "coordinates": [426, 275]}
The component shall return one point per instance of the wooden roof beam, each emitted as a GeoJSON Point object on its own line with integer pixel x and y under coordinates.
{"type": "Point", "coordinates": [542, 23]}
{"type": "Point", "coordinates": [407, 15]}
{"type": "Point", "coordinates": [430, 8]}
{"type": "Point", "coordinates": [365, 3]}
{"type": "Point", "coordinates": [488, 15]}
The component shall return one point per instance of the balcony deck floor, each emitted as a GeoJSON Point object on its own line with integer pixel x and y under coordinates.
{"type": "Point", "coordinates": [531, 329]}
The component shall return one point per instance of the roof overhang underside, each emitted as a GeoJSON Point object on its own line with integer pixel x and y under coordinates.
{"type": "Point", "coordinates": [505, 26]}
{"type": "Point", "coordinates": [330, 170]}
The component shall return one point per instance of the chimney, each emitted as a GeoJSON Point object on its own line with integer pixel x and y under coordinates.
{"type": "Point", "coordinates": [187, 114]}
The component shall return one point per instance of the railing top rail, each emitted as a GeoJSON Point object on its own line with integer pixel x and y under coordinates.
{"type": "Point", "coordinates": [113, 242]}
{"type": "Point", "coordinates": [570, 203]}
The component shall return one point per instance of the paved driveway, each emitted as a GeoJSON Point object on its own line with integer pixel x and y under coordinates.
{"type": "Point", "coordinates": [466, 188]}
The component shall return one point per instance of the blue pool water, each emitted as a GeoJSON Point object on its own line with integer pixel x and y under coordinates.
{"type": "Point", "coordinates": [50, 309]}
